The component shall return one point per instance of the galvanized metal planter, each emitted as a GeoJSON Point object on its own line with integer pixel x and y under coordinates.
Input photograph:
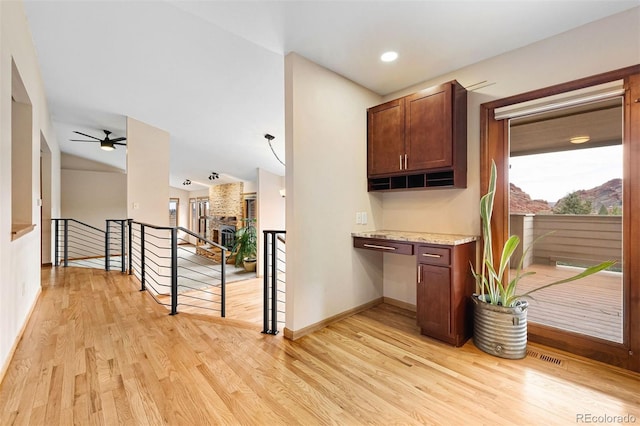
{"type": "Point", "coordinates": [499, 330]}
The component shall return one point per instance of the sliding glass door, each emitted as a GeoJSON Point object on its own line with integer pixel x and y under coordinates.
{"type": "Point", "coordinates": [598, 318]}
{"type": "Point", "coordinates": [565, 186]}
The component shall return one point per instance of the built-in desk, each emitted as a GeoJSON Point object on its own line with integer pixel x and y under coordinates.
{"type": "Point", "coordinates": [443, 275]}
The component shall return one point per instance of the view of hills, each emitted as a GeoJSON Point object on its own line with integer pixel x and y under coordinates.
{"type": "Point", "coordinates": [603, 199]}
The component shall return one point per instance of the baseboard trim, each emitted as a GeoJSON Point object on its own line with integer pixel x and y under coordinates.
{"type": "Point", "coordinates": [296, 334]}
{"type": "Point", "coordinates": [399, 304]}
{"type": "Point", "coordinates": [12, 352]}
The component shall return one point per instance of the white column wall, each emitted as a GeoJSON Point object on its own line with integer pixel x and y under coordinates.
{"type": "Point", "coordinates": [147, 173]}
{"type": "Point", "coordinates": [326, 139]}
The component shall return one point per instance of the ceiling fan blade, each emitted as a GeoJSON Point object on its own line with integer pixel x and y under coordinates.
{"type": "Point", "coordinates": [118, 139]}
{"type": "Point", "coordinates": [89, 136]}
{"type": "Point", "coordinates": [79, 140]}
{"type": "Point", "coordinates": [118, 143]}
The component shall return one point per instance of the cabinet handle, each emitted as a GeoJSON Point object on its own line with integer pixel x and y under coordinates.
{"type": "Point", "coordinates": [431, 255]}
{"type": "Point", "coordinates": [400, 161]}
{"type": "Point", "coordinates": [405, 161]}
{"type": "Point", "coordinates": [419, 274]}
{"type": "Point", "coordinates": [379, 247]}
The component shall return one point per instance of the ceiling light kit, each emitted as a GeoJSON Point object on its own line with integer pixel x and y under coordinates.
{"type": "Point", "coordinates": [186, 182]}
{"type": "Point", "coordinates": [389, 56]}
{"type": "Point", "coordinates": [106, 143]}
{"type": "Point", "coordinates": [214, 176]}
{"type": "Point", "coordinates": [269, 138]}
{"type": "Point", "coordinates": [579, 139]}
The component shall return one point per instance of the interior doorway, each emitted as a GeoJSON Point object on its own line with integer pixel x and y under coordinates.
{"type": "Point", "coordinates": [199, 215]}
{"type": "Point", "coordinates": [46, 239]}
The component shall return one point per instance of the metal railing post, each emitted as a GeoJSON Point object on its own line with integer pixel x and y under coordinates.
{"type": "Point", "coordinates": [274, 284]}
{"type": "Point", "coordinates": [106, 246]}
{"type": "Point", "coordinates": [122, 246]}
{"type": "Point", "coordinates": [142, 262]}
{"type": "Point", "coordinates": [223, 282]}
{"type": "Point", "coordinates": [66, 243]}
{"type": "Point", "coordinates": [174, 271]}
{"type": "Point", "coordinates": [265, 290]}
{"type": "Point", "coordinates": [130, 246]}
{"type": "Point", "coordinates": [56, 243]}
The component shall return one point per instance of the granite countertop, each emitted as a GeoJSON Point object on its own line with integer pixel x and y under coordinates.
{"type": "Point", "coordinates": [418, 237]}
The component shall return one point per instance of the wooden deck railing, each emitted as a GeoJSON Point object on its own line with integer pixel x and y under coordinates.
{"type": "Point", "coordinates": [576, 239]}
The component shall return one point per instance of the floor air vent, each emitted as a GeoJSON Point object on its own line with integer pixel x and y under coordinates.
{"type": "Point", "coordinates": [545, 357]}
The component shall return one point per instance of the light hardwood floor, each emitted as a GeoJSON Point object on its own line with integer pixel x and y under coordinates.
{"type": "Point", "coordinates": [98, 351]}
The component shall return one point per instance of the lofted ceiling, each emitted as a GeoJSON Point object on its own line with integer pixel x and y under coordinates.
{"type": "Point", "coordinates": [211, 73]}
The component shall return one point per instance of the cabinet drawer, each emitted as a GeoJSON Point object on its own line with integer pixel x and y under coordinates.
{"type": "Point", "coordinates": [434, 255]}
{"type": "Point", "coordinates": [385, 246]}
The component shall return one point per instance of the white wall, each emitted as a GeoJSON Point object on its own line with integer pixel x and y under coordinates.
{"type": "Point", "coordinates": [250, 186]}
{"type": "Point", "coordinates": [20, 259]}
{"type": "Point", "coordinates": [199, 193]}
{"type": "Point", "coordinates": [606, 45]}
{"type": "Point", "coordinates": [73, 162]}
{"type": "Point", "coordinates": [326, 126]}
{"type": "Point", "coordinates": [147, 173]}
{"type": "Point", "coordinates": [93, 197]}
{"type": "Point", "coordinates": [271, 208]}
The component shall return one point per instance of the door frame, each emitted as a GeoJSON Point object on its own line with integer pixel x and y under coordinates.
{"type": "Point", "coordinates": [494, 144]}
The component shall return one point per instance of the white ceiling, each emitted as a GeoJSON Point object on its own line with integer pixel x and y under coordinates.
{"type": "Point", "coordinates": [211, 73]}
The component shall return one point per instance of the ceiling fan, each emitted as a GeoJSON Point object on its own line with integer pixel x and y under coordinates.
{"type": "Point", "coordinates": [106, 143]}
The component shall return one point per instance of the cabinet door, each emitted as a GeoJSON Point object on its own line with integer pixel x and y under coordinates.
{"type": "Point", "coordinates": [434, 300]}
{"type": "Point", "coordinates": [428, 139]}
{"type": "Point", "coordinates": [385, 127]}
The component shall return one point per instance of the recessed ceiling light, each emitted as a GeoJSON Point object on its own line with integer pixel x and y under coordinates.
{"type": "Point", "coordinates": [389, 56]}
{"type": "Point", "coordinates": [579, 139]}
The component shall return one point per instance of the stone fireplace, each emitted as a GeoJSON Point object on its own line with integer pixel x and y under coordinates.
{"type": "Point", "coordinates": [225, 209]}
{"type": "Point", "coordinates": [223, 230]}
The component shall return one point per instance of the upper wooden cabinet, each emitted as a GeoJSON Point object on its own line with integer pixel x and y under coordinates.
{"type": "Point", "coordinates": [385, 136]}
{"type": "Point", "coordinates": [419, 141]}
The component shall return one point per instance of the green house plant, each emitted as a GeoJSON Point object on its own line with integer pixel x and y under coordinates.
{"type": "Point", "coordinates": [245, 245]}
{"type": "Point", "coordinates": [500, 325]}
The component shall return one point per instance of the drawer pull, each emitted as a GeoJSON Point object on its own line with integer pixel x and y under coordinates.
{"type": "Point", "coordinates": [379, 247]}
{"type": "Point", "coordinates": [431, 255]}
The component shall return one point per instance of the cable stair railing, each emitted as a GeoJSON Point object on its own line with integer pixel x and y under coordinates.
{"type": "Point", "coordinates": [174, 272]}
{"type": "Point", "coordinates": [274, 280]}
{"type": "Point", "coordinates": [171, 269]}
{"type": "Point", "coordinates": [82, 245]}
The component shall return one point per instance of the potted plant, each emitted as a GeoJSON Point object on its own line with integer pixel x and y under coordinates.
{"type": "Point", "coordinates": [500, 313]}
{"type": "Point", "coordinates": [245, 245]}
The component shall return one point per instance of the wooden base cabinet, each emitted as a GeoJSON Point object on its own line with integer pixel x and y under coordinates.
{"type": "Point", "coordinates": [444, 289]}
{"type": "Point", "coordinates": [445, 283]}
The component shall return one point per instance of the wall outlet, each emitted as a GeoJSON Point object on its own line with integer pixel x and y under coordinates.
{"type": "Point", "coordinates": [359, 218]}
{"type": "Point", "coordinates": [364, 218]}
{"type": "Point", "coordinates": [136, 206]}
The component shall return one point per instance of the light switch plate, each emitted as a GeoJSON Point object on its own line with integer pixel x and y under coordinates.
{"type": "Point", "coordinates": [364, 218]}
{"type": "Point", "coordinates": [358, 218]}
